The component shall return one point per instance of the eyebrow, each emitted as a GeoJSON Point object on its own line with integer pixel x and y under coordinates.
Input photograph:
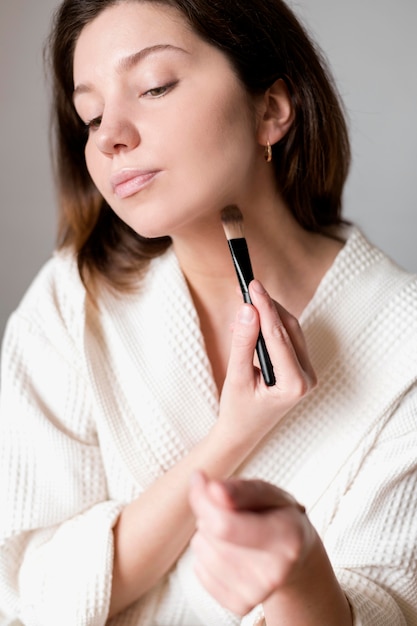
{"type": "Point", "coordinates": [127, 63]}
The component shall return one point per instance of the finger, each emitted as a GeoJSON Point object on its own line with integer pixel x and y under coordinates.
{"type": "Point", "coordinates": [240, 368]}
{"type": "Point", "coordinates": [237, 494]}
{"type": "Point", "coordinates": [207, 500]}
{"type": "Point", "coordinates": [229, 573]}
{"type": "Point", "coordinates": [265, 513]}
{"type": "Point", "coordinates": [250, 495]}
{"type": "Point", "coordinates": [223, 591]}
{"type": "Point", "coordinates": [298, 340]}
{"type": "Point", "coordinates": [248, 510]}
{"type": "Point", "coordinates": [219, 589]}
{"type": "Point", "coordinates": [283, 531]}
{"type": "Point", "coordinates": [210, 505]}
{"type": "Point", "coordinates": [198, 496]}
{"type": "Point", "coordinates": [290, 371]}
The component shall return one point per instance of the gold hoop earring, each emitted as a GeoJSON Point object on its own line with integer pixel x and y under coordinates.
{"type": "Point", "coordinates": [268, 152]}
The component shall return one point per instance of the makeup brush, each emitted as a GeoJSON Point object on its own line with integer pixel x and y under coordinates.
{"type": "Point", "coordinates": [232, 220]}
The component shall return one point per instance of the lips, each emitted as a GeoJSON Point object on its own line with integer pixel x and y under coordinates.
{"type": "Point", "coordinates": [128, 182]}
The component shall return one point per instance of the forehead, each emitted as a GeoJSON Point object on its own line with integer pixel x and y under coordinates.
{"type": "Point", "coordinates": [129, 26]}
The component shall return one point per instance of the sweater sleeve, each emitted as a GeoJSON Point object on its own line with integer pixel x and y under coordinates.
{"type": "Point", "coordinates": [56, 541]}
{"type": "Point", "coordinates": [372, 540]}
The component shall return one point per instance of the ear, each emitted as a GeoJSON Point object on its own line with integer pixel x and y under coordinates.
{"type": "Point", "coordinates": [276, 113]}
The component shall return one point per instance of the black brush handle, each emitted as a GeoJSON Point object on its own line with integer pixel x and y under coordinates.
{"type": "Point", "coordinates": [241, 259]}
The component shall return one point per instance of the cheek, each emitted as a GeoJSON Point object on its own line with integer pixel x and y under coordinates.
{"type": "Point", "coordinates": [221, 130]}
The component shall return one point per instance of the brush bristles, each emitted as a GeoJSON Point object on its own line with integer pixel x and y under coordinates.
{"type": "Point", "coordinates": [232, 220]}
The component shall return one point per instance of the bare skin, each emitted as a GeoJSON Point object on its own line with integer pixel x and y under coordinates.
{"type": "Point", "coordinates": [258, 536]}
{"type": "Point", "coordinates": [290, 272]}
{"type": "Point", "coordinates": [242, 424]}
{"type": "Point", "coordinates": [137, 68]}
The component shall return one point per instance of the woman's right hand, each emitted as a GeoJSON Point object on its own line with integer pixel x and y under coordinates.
{"type": "Point", "coordinates": [247, 406]}
{"type": "Point", "coordinates": [162, 516]}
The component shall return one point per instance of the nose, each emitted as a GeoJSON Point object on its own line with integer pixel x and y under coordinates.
{"type": "Point", "coordinates": [116, 133]}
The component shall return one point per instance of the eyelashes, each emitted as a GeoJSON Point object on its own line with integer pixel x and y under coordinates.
{"type": "Point", "coordinates": [152, 94]}
{"type": "Point", "coordinates": [93, 124]}
{"type": "Point", "coordinates": [159, 92]}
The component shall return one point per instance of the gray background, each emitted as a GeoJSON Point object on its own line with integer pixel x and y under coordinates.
{"type": "Point", "coordinates": [372, 48]}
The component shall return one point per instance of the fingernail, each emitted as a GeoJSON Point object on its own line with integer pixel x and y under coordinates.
{"type": "Point", "coordinates": [258, 287]}
{"type": "Point", "coordinates": [246, 314]}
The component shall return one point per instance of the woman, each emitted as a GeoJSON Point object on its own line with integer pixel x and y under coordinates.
{"type": "Point", "coordinates": [128, 404]}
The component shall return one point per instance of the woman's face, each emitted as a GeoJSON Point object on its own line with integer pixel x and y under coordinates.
{"type": "Point", "coordinates": [171, 130]}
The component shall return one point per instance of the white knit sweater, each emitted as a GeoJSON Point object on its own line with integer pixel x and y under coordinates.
{"type": "Point", "coordinates": [97, 403]}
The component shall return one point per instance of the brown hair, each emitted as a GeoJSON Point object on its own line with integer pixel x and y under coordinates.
{"type": "Point", "coordinates": [264, 41]}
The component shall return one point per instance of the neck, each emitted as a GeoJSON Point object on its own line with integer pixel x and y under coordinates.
{"type": "Point", "coordinates": [288, 260]}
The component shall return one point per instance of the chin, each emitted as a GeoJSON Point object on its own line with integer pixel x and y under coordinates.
{"type": "Point", "coordinates": [148, 232]}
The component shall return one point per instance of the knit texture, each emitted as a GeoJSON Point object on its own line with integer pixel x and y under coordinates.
{"type": "Point", "coordinates": [96, 403]}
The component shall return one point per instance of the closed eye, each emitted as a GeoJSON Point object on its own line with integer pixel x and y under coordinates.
{"type": "Point", "coordinates": [155, 92]}
{"type": "Point", "coordinates": [158, 92]}
{"type": "Point", "coordinates": [94, 124]}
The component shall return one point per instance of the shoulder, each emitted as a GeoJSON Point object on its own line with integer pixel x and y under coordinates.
{"type": "Point", "coordinates": [362, 318]}
{"type": "Point", "coordinates": [57, 288]}
{"type": "Point", "coordinates": [361, 254]}
{"type": "Point", "coordinates": [56, 303]}
{"type": "Point", "coordinates": [385, 285]}
{"type": "Point", "coordinates": [53, 306]}
{"type": "Point", "coordinates": [366, 280]}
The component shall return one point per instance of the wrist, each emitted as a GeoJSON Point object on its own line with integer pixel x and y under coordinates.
{"type": "Point", "coordinates": [313, 596]}
{"type": "Point", "coordinates": [238, 442]}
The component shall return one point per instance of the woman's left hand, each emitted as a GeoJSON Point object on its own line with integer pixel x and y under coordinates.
{"type": "Point", "coordinates": [252, 538]}
{"type": "Point", "coordinates": [255, 544]}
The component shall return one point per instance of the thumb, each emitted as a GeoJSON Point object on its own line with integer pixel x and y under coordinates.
{"type": "Point", "coordinates": [245, 334]}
